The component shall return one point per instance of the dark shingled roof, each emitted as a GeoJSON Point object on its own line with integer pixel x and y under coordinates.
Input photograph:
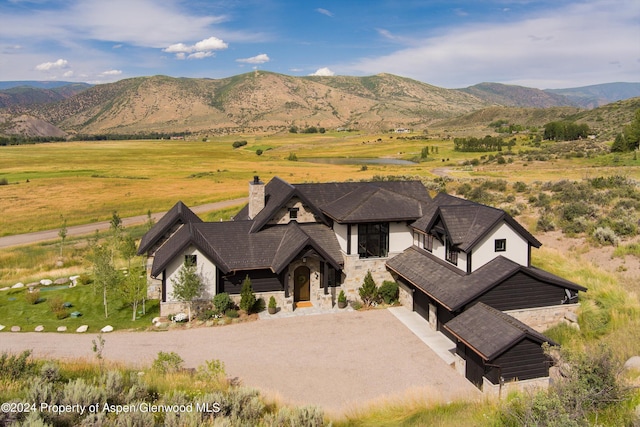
{"type": "Point", "coordinates": [178, 214]}
{"type": "Point", "coordinates": [467, 222]}
{"type": "Point", "coordinates": [490, 332]}
{"type": "Point", "coordinates": [346, 201]}
{"type": "Point", "coordinates": [231, 245]}
{"type": "Point", "coordinates": [452, 287]}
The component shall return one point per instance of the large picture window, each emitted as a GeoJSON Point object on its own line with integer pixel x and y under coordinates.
{"type": "Point", "coordinates": [373, 240]}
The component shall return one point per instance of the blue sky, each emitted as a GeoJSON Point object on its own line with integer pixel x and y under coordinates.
{"type": "Point", "coordinates": [452, 44]}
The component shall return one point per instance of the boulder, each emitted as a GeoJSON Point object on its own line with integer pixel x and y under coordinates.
{"type": "Point", "coordinates": [39, 328]}
{"type": "Point", "coordinates": [107, 328]}
{"type": "Point", "coordinates": [571, 317]}
{"type": "Point", "coordinates": [62, 329]}
{"type": "Point", "coordinates": [5, 288]}
{"type": "Point", "coordinates": [74, 278]}
{"type": "Point", "coordinates": [2, 327]}
{"type": "Point", "coordinates": [46, 282]}
{"type": "Point", "coordinates": [15, 329]}
{"type": "Point", "coordinates": [18, 285]}
{"type": "Point", "coordinates": [632, 363]}
{"type": "Point", "coordinates": [61, 281]}
{"type": "Point", "coordinates": [155, 320]}
{"type": "Point", "coordinates": [82, 329]}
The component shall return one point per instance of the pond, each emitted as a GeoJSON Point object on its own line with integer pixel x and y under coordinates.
{"type": "Point", "coordinates": [357, 161]}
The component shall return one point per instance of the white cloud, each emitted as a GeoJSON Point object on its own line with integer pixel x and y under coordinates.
{"type": "Point", "coordinates": [47, 66]}
{"type": "Point", "coordinates": [324, 72]}
{"type": "Point", "coordinates": [212, 43]}
{"type": "Point", "coordinates": [69, 73]}
{"type": "Point", "coordinates": [111, 73]}
{"type": "Point", "coordinates": [258, 59]}
{"type": "Point", "coordinates": [324, 12]}
{"type": "Point", "coordinates": [199, 50]}
{"type": "Point", "coordinates": [200, 55]}
{"type": "Point", "coordinates": [546, 50]}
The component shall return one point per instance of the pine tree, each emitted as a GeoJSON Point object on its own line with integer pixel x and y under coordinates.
{"type": "Point", "coordinates": [247, 298]}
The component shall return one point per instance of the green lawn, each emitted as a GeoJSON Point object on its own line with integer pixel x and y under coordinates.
{"type": "Point", "coordinates": [16, 311]}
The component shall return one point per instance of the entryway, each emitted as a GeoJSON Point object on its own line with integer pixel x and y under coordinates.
{"type": "Point", "coordinates": [301, 284]}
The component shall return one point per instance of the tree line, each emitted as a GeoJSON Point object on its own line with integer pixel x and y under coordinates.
{"type": "Point", "coordinates": [565, 131]}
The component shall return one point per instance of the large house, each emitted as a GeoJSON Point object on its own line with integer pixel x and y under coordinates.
{"type": "Point", "coordinates": [303, 243]}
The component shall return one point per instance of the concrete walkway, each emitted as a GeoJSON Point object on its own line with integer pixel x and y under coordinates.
{"type": "Point", "coordinates": [441, 345]}
{"type": "Point", "coordinates": [302, 311]}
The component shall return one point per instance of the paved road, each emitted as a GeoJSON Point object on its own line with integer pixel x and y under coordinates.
{"type": "Point", "coordinates": [339, 361]}
{"type": "Point", "coordinates": [81, 230]}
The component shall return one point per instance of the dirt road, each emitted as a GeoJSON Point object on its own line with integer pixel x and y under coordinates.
{"type": "Point", "coordinates": [339, 361]}
{"type": "Point", "coordinates": [80, 230]}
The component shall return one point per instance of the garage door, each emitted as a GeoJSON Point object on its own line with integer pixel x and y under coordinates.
{"type": "Point", "coordinates": [421, 303]}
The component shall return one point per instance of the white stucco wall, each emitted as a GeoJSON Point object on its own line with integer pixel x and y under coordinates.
{"type": "Point", "coordinates": [341, 235]}
{"type": "Point", "coordinates": [517, 247]}
{"type": "Point", "coordinates": [400, 237]}
{"type": "Point", "coordinates": [206, 270]}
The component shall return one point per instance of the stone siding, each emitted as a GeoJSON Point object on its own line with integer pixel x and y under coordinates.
{"type": "Point", "coordinates": [542, 318]}
{"type": "Point", "coordinates": [355, 269]}
{"type": "Point", "coordinates": [526, 386]}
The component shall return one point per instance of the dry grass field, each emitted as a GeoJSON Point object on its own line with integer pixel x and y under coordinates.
{"type": "Point", "coordinates": [87, 181]}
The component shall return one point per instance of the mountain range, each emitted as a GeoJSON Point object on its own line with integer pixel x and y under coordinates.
{"type": "Point", "coordinates": [265, 101]}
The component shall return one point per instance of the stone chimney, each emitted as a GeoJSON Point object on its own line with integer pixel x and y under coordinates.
{"type": "Point", "coordinates": [256, 197]}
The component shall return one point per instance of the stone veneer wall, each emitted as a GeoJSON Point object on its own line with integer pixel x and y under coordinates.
{"type": "Point", "coordinates": [355, 269]}
{"type": "Point", "coordinates": [542, 318]}
{"type": "Point", "coordinates": [495, 390]}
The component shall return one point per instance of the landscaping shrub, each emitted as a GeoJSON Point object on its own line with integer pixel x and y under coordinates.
{"type": "Point", "coordinates": [32, 297]}
{"type": "Point", "coordinates": [222, 302]}
{"type": "Point", "coordinates": [232, 314]}
{"type": "Point", "coordinates": [56, 304]}
{"type": "Point", "coordinates": [167, 362]}
{"type": "Point", "coordinates": [247, 297]}
{"type": "Point", "coordinates": [368, 291]}
{"type": "Point", "coordinates": [388, 291]}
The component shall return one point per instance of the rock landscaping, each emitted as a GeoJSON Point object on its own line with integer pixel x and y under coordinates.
{"type": "Point", "coordinates": [39, 328]}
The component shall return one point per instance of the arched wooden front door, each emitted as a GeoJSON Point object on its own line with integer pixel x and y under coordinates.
{"type": "Point", "coordinates": [301, 284]}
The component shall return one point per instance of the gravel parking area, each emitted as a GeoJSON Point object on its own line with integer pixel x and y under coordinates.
{"type": "Point", "coordinates": [338, 361]}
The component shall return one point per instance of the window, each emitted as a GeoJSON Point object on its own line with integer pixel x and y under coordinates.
{"type": "Point", "coordinates": [293, 213]}
{"type": "Point", "coordinates": [451, 254]}
{"type": "Point", "coordinates": [191, 259]}
{"type": "Point", "coordinates": [373, 240]}
{"type": "Point", "coordinates": [428, 242]}
{"type": "Point", "coordinates": [501, 245]}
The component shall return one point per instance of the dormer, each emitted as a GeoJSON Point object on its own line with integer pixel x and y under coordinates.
{"type": "Point", "coordinates": [469, 235]}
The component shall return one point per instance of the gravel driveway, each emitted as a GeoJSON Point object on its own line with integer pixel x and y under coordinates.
{"type": "Point", "coordinates": [338, 361]}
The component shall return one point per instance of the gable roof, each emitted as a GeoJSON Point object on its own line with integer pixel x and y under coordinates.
{"type": "Point", "coordinates": [231, 245]}
{"type": "Point", "coordinates": [466, 222]}
{"type": "Point", "coordinates": [454, 288]}
{"type": "Point", "coordinates": [345, 201]}
{"type": "Point", "coordinates": [178, 214]}
{"type": "Point", "coordinates": [490, 332]}
{"type": "Point", "coordinates": [370, 203]}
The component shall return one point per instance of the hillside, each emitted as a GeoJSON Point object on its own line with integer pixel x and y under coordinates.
{"type": "Point", "coordinates": [605, 121]}
{"type": "Point", "coordinates": [253, 101]}
{"type": "Point", "coordinates": [25, 95]}
{"type": "Point", "coordinates": [270, 102]}
{"type": "Point", "coordinates": [599, 95]}
{"type": "Point", "coordinates": [517, 96]}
